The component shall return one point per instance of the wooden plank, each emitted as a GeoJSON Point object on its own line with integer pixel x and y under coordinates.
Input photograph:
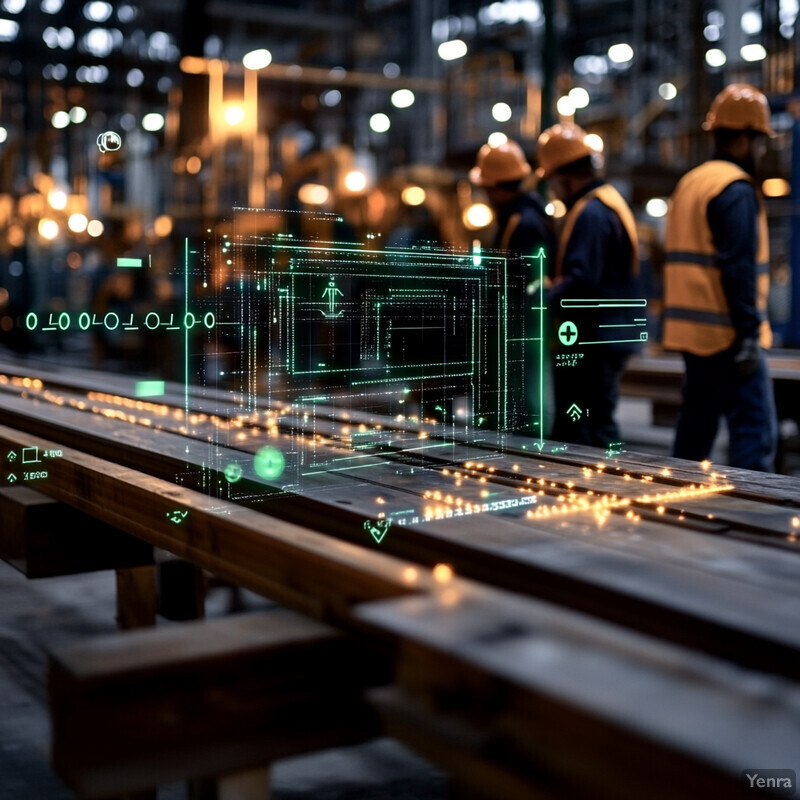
{"type": "Point", "coordinates": [205, 698]}
{"type": "Point", "coordinates": [781, 489]}
{"type": "Point", "coordinates": [43, 538]}
{"type": "Point", "coordinates": [302, 569]}
{"type": "Point", "coordinates": [576, 705]}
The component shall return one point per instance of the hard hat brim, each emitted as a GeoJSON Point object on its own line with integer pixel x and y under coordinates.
{"type": "Point", "coordinates": [710, 126]}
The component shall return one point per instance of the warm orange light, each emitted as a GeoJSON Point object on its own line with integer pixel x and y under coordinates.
{"type": "Point", "coordinates": [776, 187]}
{"type": "Point", "coordinates": [57, 199]}
{"type": "Point", "coordinates": [194, 65]}
{"type": "Point", "coordinates": [413, 195]}
{"type": "Point", "coordinates": [163, 225]}
{"type": "Point", "coordinates": [95, 228]}
{"type": "Point", "coordinates": [48, 229]}
{"type": "Point", "coordinates": [313, 194]}
{"type": "Point", "coordinates": [77, 223]}
{"type": "Point", "coordinates": [442, 573]}
{"type": "Point", "coordinates": [16, 236]}
{"type": "Point", "coordinates": [355, 181]}
{"type": "Point", "coordinates": [478, 215]}
{"type": "Point", "coordinates": [234, 114]}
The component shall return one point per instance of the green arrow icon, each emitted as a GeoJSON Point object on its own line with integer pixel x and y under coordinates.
{"type": "Point", "coordinates": [378, 528]}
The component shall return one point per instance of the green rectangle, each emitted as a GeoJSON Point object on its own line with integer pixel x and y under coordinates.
{"type": "Point", "coordinates": [129, 262]}
{"type": "Point", "coordinates": [149, 388]}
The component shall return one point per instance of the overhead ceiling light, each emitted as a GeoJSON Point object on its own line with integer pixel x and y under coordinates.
{"type": "Point", "coordinates": [48, 229]}
{"type": "Point", "coordinates": [751, 22]}
{"type": "Point", "coordinates": [97, 11]}
{"type": "Point", "coordinates": [60, 119]}
{"type": "Point", "coordinates": [380, 123]}
{"type": "Point", "coordinates": [656, 207]}
{"type": "Point", "coordinates": [77, 223]}
{"type": "Point", "coordinates": [234, 114]}
{"type": "Point", "coordinates": [579, 97]}
{"type": "Point", "coordinates": [257, 59]}
{"type": "Point", "coordinates": [413, 195]}
{"type": "Point", "coordinates": [403, 98]}
{"type": "Point", "coordinates": [355, 181]}
{"type": "Point", "coordinates": [452, 49]}
{"type": "Point", "coordinates": [565, 106]}
{"type": "Point", "coordinates": [95, 228]}
{"type": "Point", "coordinates": [595, 142]}
{"type": "Point", "coordinates": [476, 216]}
{"type": "Point", "coordinates": [501, 112]}
{"type": "Point", "coordinates": [753, 52]}
{"type": "Point", "coordinates": [776, 187]}
{"type": "Point", "coordinates": [313, 194]}
{"type": "Point", "coordinates": [668, 91]}
{"type": "Point", "coordinates": [620, 53]}
{"type": "Point", "coordinates": [153, 121]}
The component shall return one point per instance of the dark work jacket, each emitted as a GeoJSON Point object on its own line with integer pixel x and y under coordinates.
{"type": "Point", "coordinates": [524, 227]}
{"type": "Point", "coordinates": [732, 217]}
{"type": "Point", "coordinates": [597, 265]}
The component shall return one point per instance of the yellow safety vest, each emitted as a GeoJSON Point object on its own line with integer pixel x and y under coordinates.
{"type": "Point", "coordinates": [696, 312]}
{"type": "Point", "coordinates": [612, 199]}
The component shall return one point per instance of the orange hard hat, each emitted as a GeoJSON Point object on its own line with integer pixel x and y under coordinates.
{"type": "Point", "coordinates": [739, 107]}
{"type": "Point", "coordinates": [560, 145]}
{"type": "Point", "coordinates": [500, 164]}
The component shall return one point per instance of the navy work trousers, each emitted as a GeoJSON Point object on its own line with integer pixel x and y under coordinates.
{"type": "Point", "coordinates": [713, 389]}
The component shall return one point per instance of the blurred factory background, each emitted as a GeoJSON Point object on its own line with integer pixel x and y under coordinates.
{"type": "Point", "coordinates": [126, 126]}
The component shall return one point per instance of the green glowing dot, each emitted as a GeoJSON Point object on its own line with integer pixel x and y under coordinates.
{"type": "Point", "coordinates": [268, 463]}
{"type": "Point", "coordinates": [233, 473]}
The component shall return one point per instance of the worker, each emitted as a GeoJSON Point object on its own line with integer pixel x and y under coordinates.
{"type": "Point", "coordinates": [596, 260]}
{"type": "Point", "coordinates": [716, 282]}
{"type": "Point", "coordinates": [522, 224]}
{"type": "Point", "coordinates": [523, 228]}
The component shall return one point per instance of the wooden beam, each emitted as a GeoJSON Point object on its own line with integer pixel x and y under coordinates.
{"type": "Point", "coordinates": [506, 693]}
{"type": "Point", "coordinates": [43, 538]}
{"type": "Point", "coordinates": [205, 699]}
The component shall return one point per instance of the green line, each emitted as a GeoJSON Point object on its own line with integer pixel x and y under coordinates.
{"type": "Point", "coordinates": [615, 341]}
{"type": "Point", "coordinates": [338, 469]}
{"type": "Point", "coordinates": [541, 255]}
{"type": "Point", "coordinates": [186, 330]}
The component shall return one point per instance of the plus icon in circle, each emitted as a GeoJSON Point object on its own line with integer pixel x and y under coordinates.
{"type": "Point", "coordinates": [567, 333]}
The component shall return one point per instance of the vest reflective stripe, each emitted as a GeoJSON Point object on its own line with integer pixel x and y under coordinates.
{"type": "Point", "coordinates": [612, 199]}
{"type": "Point", "coordinates": [706, 317]}
{"type": "Point", "coordinates": [691, 258]}
{"type": "Point", "coordinates": [696, 312]}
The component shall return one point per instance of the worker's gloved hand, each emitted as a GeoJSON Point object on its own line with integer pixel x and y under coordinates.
{"type": "Point", "coordinates": [745, 362]}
